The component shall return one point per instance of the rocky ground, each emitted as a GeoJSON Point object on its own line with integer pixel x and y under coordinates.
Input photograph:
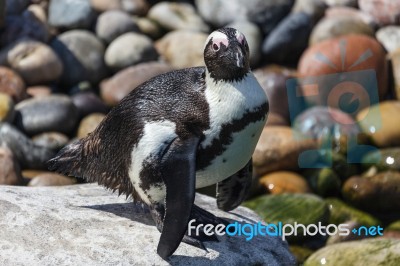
{"type": "Point", "coordinates": [330, 151]}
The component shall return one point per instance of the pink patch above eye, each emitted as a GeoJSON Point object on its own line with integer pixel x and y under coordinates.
{"type": "Point", "coordinates": [219, 41]}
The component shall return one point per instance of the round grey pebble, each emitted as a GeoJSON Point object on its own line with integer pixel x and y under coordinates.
{"type": "Point", "coordinates": [71, 14]}
{"type": "Point", "coordinates": [51, 140]}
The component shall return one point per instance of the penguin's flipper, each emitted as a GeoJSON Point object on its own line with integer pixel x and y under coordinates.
{"type": "Point", "coordinates": [178, 171]}
{"type": "Point", "coordinates": [232, 191]}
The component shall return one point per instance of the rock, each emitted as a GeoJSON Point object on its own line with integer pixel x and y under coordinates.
{"type": "Point", "coordinates": [82, 56]}
{"type": "Point", "coordinates": [130, 49]}
{"type": "Point", "coordinates": [69, 213]}
{"type": "Point", "coordinates": [89, 124]}
{"type": "Point", "coordinates": [377, 193]}
{"type": "Point", "coordinates": [52, 113]}
{"type": "Point", "coordinates": [288, 40]}
{"type": "Point", "coordinates": [177, 16]}
{"type": "Point", "coordinates": [38, 91]}
{"type": "Point", "coordinates": [301, 253]}
{"type": "Point", "coordinates": [134, 7]}
{"type": "Point", "coordinates": [276, 120]}
{"type": "Point", "coordinates": [304, 209]}
{"type": "Point", "coordinates": [389, 37]}
{"type": "Point", "coordinates": [352, 3]}
{"type": "Point", "coordinates": [29, 155]}
{"type": "Point", "coordinates": [363, 54]}
{"type": "Point", "coordinates": [350, 12]}
{"type": "Point", "coordinates": [51, 140]}
{"type": "Point", "coordinates": [10, 171]}
{"type": "Point", "coordinates": [380, 123]}
{"type": "Point", "coordinates": [16, 7]}
{"type": "Point", "coordinates": [114, 89]}
{"type": "Point", "coordinates": [40, 11]}
{"type": "Point", "coordinates": [25, 25]}
{"type": "Point", "coordinates": [336, 238]}
{"type": "Point", "coordinates": [114, 23]}
{"type": "Point", "coordinates": [12, 84]}
{"type": "Point", "coordinates": [149, 27]}
{"type": "Point", "coordinates": [266, 14]}
{"type": "Point", "coordinates": [332, 27]}
{"type": "Point", "coordinates": [364, 252]}
{"type": "Point", "coordinates": [36, 62]}
{"type": "Point", "coordinates": [383, 159]}
{"type": "Point", "coordinates": [279, 149]}
{"type": "Point", "coordinates": [392, 230]}
{"type": "Point", "coordinates": [71, 14]}
{"type": "Point", "coordinates": [51, 179]}
{"type": "Point", "coordinates": [395, 58]}
{"type": "Point", "coordinates": [88, 102]}
{"type": "Point", "coordinates": [29, 174]}
{"type": "Point", "coordinates": [182, 49]}
{"type": "Point", "coordinates": [385, 12]}
{"type": "Point", "coordinates": [253, 37]}
{"type": "Point", "coordinates": [323, 181]}
{"type": "Point", "coordinates": [284, 182]}
{"type": "Point", "coordinates": [341, 213]}
{"type": "Point", "coordinates": [7, 111]}
{"type": "Point", "coordinates": [316, 8]}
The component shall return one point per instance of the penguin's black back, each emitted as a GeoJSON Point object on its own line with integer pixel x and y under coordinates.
{"type": "Point", "coordinates": [105, 155]}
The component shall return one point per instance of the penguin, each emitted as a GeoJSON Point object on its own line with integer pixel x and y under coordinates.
{"type": "Point", "coordinates": [179, 131]}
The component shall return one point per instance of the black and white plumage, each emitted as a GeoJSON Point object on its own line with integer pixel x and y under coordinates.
{"type": "Point", "coordinates": [179, 131]}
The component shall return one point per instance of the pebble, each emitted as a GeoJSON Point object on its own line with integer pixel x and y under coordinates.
{"type": "Point", "coordinates": [82, 55]}
{"type": "Point", "coordinates": [36, 62]}
{"type": "Point", "coordinates": [284, 182]}
{"type": "Point", "coordinates": [38, 91]}
{"type": "Point", "coordinates": [7, 111]}
{"type": "Point", "coordinates": [12, 84]}
{"type": "Point", "coordinates": [182, 48]}
{"type": "Point", "coordinates": [52, 113]}
{"type": "Point", "coordinates": [40, 12]}
{"type": "Point", "coordinates": [331, 27]}
{"type": "Point", "coordinates": [380, 122]}
{"type": "Point", "coordinates": [89, 124]}
{"type": "Point", "coordinates": [29, 174]}
{"type": "Point", "coordinates": [383, 159]}
{"type": "Point", "coordinates": [279, 149]}
{"type": "Point", "coordinates": [129, 49]}
{"type": "Point", "coordinates": [385, 12]}
{"type": "Point", "coordinates": [379, 193]}
{"type": "Point", "coordinates": [88, 102]}
{"type": "Point", "coordinates": [316, 8]}
{"type": "Point", "coordinates": [389, 37]}
{"type": "Point", "coordinates": [117, 87]}
{"type": "Point", "coordinates": [51, 179]}
{"type": "Point", "coordinates": [350, 12]}
{"type": "Point", "coordinates": [71, 14]}
{"type": "Point", "coordinates": [324, 181]}
{"type": "Point", "coordinates": [395, 58]}
{"type": "Point", "coordinates": [134, 7]}
{"type": "Point", "coordinates": [352, 3]}
{"type": "Point", "coordinates": [10, 171]}
{"type": "Point", "coordinates": [289, 39]}
{"type": "Point", "coordinates": [112, 24]}
{"type": "Point", "coordinates": [311, 64]}
{"type": "Point", "coordinates": [392, 230]}
{"type": "Point", "coordinates": [177, 16]}
{"type": "Point", "coordinates": [149, 27]}
{"type": "Point", "coordinates": [51, 140]}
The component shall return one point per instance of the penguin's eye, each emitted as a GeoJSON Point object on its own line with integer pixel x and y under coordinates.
{"type": "Point", "coordinates": [215, 47]}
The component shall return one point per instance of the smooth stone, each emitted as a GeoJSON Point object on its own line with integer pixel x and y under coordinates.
{"type": "Point", "coordinates": [275, 119]}
{"type": "Point", "coordinates": [357, 47]}
{"type": "Point", "coordinates": [38, 91]}
{"type": "Point", "coordinates": [378, 193]}
{"type": "Point", "coordinates": [123, 82]}
{"type": "Point", "coordinates": [89, 124]}
{"type": "Point", "coordinates": [323, 181]}
{"type": "Point", "coordinates": [385, 12]}
{"type": "Point", "coordinates": [51, 140]}
{"type": "Point", "coordinates": [40, 10]}
{"type": "Point", "coordinates": [25, 25]}
{"type": "Point", "coordinates": [149, 27]}
{"type": "Point", "coordinates": [29, 174]}
{"type": "Point", "coordinates": [352, 3]}
{"type": "Point", "coordinates": [395, 58]}
{"type": "Point", "coordinates": [134, 7]}
{"type": "Point", "coordinates": [70, 211]}
{"type": "Point", "coordinates": [87, 102]}
{"type": "Point", "coordinates": [52, 113]}
{"type": "Point", "coordinates": [82, 55]}
{"type": "Point", "coordinates": [177, 16]}
{"type": "Point", "coordinates": [289, 39]}
{"type": "Point", "coordinates": [182, 48]}
{"type": "Point", "coordinates": [367, 252]}
{"type": "Point", "coordinates": [279, 149]}
{"type": "Point", "coordinates": [12, 84]}
{"type": "Point", "coordinates": [332, 27]}
{"type": "Point", "coordinates": [10, 171]}
{"type": "Point", "coordinates": [340, 213]}
{"type": "Point", "coordinates": [112, 24]}
{"type": "Point", "coordinates": [383, 159]}
{"type": "Point", "coordinates": [316, 8]}
{"type": "Point", "coordinates": [71, 14]}
{"type": "Point", "coordinates": [29, 155]}
{"type": "Point", "coordinates": [7, 111]}
{"type": "Point", "coordinates": [289, 208]}
{"type": "Point", "coordinates": [16, 7]}
{"type": "Point", "coordinates": [346, 12]}
{"type": "Point", "coordinates": [51, 179]}
{"type": "Point", "coordinates": [129, 49]}
{"type": "Point", "coordinates": [284, 182]}
{"type": "Point", "coordinates": [389, 37]}
{"type": "Point", "coordinates": [392, 230]}
{"type": "Point", "coordinates": [253, 37]}
{"type": "Point", "coordinates": [380, 122]}
{"type": "Point", "coordinates": [36, 62]}
{"type": "Point", "coordinates": [351, 225]}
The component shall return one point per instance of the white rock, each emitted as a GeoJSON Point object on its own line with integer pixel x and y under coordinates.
{"type": "Point", "coordinates": [87, 225]}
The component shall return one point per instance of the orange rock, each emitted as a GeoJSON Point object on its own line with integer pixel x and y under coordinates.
{"type": "Point", "coordinates": [284, 182]}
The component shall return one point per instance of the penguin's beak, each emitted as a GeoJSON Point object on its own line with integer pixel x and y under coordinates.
{"type": "Point", "coordinates": [239, 58]}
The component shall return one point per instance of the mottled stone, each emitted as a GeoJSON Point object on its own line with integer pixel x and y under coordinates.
{"type": "Point", "coordinates": [51, 179]}
{"type": "Point", "coordinates": [149, 27]}
{"type": "Point", "coordinates": [385, 12]}
{"type": "Point", "coordinates": [134, 7]}
{"type": "Point", "coordinates": [71, 14]}
{"type": "Point", "coordinates": [7, 111]}
{"type": "Point", "coordinates": [284, 182]}
{"type": "Point", "coordinates": [323, 181]}
{"type": "Point", "coordinates": [51, 140]}
{"type": "Point", "coordinates": [12, 84]}
{"type": "Point", "coordinates": [389, 37]}
{"type": "Point", "coordinates": [89, 124]}
{"type": "Point", "coordinates": [10, 171]}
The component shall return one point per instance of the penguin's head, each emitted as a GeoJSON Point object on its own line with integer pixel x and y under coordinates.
{"type": "Point", "coordinates": [226, 55]}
